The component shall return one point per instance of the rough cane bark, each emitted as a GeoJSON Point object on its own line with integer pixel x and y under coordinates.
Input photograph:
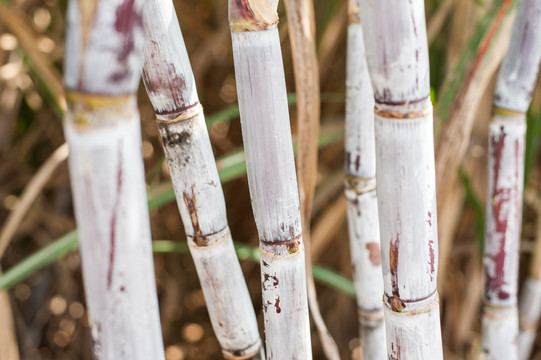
{"type": "Point", "coordinates": [271, 176]}
{"type": "Point", "coordinates": [453, 137]}
{"type": "Point", "coordinates": [171, 87]}
{"type": "Point", "coordinates": [397, 56]}
{"type": "Point", "coordinates": [362, 207]}
{"type": "Point", "coordinates": [102, 65]}
{"type": "Point", "coordinates": [512, 97]}
{"type": "Point", "coordinates": [300, 18]}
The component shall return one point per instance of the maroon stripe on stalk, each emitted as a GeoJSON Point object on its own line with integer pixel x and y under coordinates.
{"type": "Point", "coordinates": [113, 224]}
{"type": "Point", "coordinates": [500, 196]}
{"type": "Point", "coordinates": [393, 256]}
{"type": "Point", "coordinates": [126, 20]}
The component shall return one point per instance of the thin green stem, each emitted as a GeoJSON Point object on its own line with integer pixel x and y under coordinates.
{"type": "Point", "coordinates": [233, 112]}
{"type": "Point", "coordinates": [533, 130]}
{"type": "Point", "coordinates": [70, 242]}
{"type": "Point", "coordinates": [39, 259]}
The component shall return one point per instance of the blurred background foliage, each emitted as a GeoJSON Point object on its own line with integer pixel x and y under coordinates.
{"type": "Point", "coordinates": [45, 297]}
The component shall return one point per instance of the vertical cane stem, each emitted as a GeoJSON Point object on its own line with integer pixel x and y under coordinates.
{"type": "Point", "coordinates": [397, 56]}
{"type": "Point", "coordinates": [102, 73]}
{"type": "Point", "coordinates": [170, 84]}
{"type": "Point", "coordinates": [362, 207]}
{"type": "Point", "coordinates": [512, 97]}
{"type": "Point", "coordinates": [271, 176]}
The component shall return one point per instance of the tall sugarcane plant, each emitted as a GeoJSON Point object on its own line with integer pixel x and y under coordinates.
{"type": "Point", "coordinates": [271, 175]}
{"type": "Point", "coordinates": [170, 84]}
{"type": "Point", "coordinates": [300, 19]}
{"type": "Point", "coordinates": [397, 56]}
{"type": "Point", "coordinates": [102, 73]}
{"type": "Point", "coordinates": [360, 191]}
{"type": "Point", "coordinates": [514, 88]}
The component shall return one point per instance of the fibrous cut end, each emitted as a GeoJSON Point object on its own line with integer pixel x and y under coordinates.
{"type": "Point", "coordinates": [252, 15]}
{"type": "Point", "coordinates": [354, 12]}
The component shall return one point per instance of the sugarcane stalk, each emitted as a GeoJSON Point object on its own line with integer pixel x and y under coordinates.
{"type": "Point", "coordinates": [512, 97]}
{"type": "Point", "coordinates": [271, 176]}
{"type": "Point", "coordinates": [360, 192]}
{"type": "Point", "coordinates": [397, 55]}
{"type": "Point", "coordinates": [102, 72]}
{"type": "Point", "coordinates": [502, 235]}
{"type": "Point", "coordinates": [300, 19]}
{"type": "Point", "coordinates": [170, 84]}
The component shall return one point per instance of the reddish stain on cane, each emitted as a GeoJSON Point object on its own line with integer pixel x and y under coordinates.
{"type": "Point", "coordinates": [373, 253]}
{"type": "Point", "coordinates": [393, 259]}
{"type": "Point", "coordinates": [172, 84]}
{"type": "Point", "coordinates": [357, 162]}
{"type": "Point", "coordinates": [396, 350]}
{"type": "Point", "coordinates": [198, 237]}
{"type": "Point", "coordinates": [432, 258]}
{"type": "Point", "coordinates": [291, 231]}
{"type": "Point", "coordinates": [277, 306]}
{"type": "Point", "coordinates": [127, 18]}
{"type": "Point", "coordinates": [267, 277]}
{"type": "Point", "coordinates": [500, 196]}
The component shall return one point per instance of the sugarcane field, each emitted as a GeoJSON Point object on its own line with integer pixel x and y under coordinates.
{"type": "Point", "coordinates": [270, 180]}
